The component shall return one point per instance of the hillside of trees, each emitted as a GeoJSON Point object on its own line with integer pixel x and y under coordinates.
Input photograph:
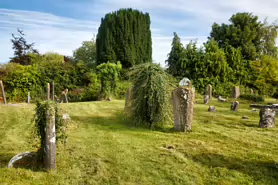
{"type": "Point", "coordinates": [242, 53]}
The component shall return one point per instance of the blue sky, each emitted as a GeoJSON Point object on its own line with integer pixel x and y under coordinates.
{"type": "Point", "coordinates": [61, 25]}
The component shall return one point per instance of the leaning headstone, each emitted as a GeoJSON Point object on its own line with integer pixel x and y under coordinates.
{"type": "Point", "coordinates": [236, 92]}
{"type": "Point", "coordinates": [221, 99]}
{"type": "Point", "coordinates": [183, 102]}
{"type": "Point", "coordinates": [209, 91]}
{"type": "Point", "coordinates": [267, 118]}
{"type": "Point", "coordinates": [206, 99]}
{"type": "Point", "coordinates": [211, 109]}
{"type": "Point", "coordinates": [25, 159]}
{"type": "Point", "coordinates": [234, 106]}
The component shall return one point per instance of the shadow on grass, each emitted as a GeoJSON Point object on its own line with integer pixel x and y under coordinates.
{"type": "Point", "coordinates": [118, 122]}
{"type": "Point", "coordinates": [266, 171]}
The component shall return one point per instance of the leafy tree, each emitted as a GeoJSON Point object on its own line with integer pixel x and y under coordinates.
{"type": "Point", "coordinates": [124, 36]}
{"type": "Point", "coordinates": [175, 57]}
{"type": "Point", "coordinates": [86, 53]}
{"type": "Point", "coordinates": [22, 49]}
{"type": "Point", "coordinates": [253, 37]}
{"type": "Point", "coordinates": [266, 72]}
{"type": "Point", "coordinates": [109, 75]}
{"type": "Point", "coordinates": [150, 94]}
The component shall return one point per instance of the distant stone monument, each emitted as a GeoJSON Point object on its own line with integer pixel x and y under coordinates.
{"type": "Point", "coordinates": [206, 99]}
{"type": "Point", "coordinates": [128, 100]}
{"type": "Point", "coordinates": [211, 109]}
{"type": "Point", "coordinates": [251, 91]}
{"type": "Point", "coordinates": [267, 118]}
{"type": "Point", "coordinates": [221, 99]}
{"type": "Point", "coordinates": [234, 106]}
{"type": "Point", "coordinates": [236, 92]}
{"type": "Point", "coordinates": [64, 96]}
{"type": "Point", "coordinates": [209, 91]}
{"type": "Point", "coordinates": [183, 102]}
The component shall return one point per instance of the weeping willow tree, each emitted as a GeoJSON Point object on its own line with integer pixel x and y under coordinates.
{"type": "Point", "coordinates": [124, 36]}
{"type": "Point", "coordinates": [150, 95]}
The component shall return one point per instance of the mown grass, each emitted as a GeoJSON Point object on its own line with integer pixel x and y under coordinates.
{"type": "Point", "coordinates": [104, 148]}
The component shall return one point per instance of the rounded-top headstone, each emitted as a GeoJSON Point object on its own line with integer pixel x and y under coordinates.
{"type": "Point", "coordinates": [184, 82]}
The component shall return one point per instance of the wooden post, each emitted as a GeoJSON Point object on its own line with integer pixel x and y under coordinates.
{"type": "Point", "coordinates": [50, 141]}
{"type": "Point", "coordinates": [53, 92]}
{"type": "Point", "coordinates": [29, 97]}
{"type": "Point", "coordinates": [183, 102]}
{"type": "Point", "coordinates": [48, 91]}
{"type": "Point", "coordinates": [3, 92]}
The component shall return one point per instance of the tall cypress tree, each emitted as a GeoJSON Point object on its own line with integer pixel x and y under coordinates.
{"type": "Point", "coordinates": [124, 36]}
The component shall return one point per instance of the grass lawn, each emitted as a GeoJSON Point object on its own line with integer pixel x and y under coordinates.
{"type": "Point", "coordinates": [104, 148]}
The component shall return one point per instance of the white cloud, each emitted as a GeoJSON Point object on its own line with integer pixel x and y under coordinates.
{"type": "Point", "coordinates": [190, 19]}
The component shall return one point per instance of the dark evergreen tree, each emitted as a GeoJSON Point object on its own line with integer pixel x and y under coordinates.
{"type": "Point", "coordinates": [124, 36]}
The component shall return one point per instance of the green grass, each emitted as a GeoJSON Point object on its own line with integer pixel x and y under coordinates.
{"type": "Point", "coordinates": [104, 148]}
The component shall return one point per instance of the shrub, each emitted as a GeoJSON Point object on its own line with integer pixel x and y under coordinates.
{"type": "Point", "coordinates": [121, 89]}
{"type": "Point", "coordinates": [254, 98]}
{"type": "Point", "coordinates": [150, 94]}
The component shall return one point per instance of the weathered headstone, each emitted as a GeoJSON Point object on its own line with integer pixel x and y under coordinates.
{"type": "Point", "coordinates": [3, 92]}
{"type": "Point", "coordinates": [211, 109]}
{"type": "Point", "coordinates": [267, 118]}
{"type": "Point", "coordinates": [184, 82]}
{"type": "Point", "coordinates": [53, 91]}
{"type": "Point", "coordinates": [221, 99]}
{"type": "Point", "coordinates": [251, 91]}
{"type": "Point", "coordinates": [63, 96]}
{"type": "Point", "coordinates": [234, 105]}
{"type": "Point", "coordinates": [183, 102]}
{"type": "Point", "coordinates": [236, 92]}
{"type": "Point", "coordinates": [29, 98]}
{"type": "Point", "coordinates": [25, 159]}
{"type": "Point", "coordinates": [128, 99]}
{"type": "Point", "coordinates": [49, 150]}
{"type": "Point", "coordinates": [48, 91]}
{"type": "Point", "coordinates": [209, 91]}
{"type": "Point", "coordinates": [206, 99]}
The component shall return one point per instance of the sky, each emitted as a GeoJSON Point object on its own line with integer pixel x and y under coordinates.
{"type": "Point", "coordinates": [62, 25]}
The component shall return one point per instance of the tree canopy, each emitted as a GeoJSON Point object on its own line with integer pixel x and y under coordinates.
{"type": "Point", "coordinates": [124, 36]}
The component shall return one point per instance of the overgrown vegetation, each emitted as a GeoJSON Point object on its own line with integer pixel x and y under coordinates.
{"type": "Point", "coordinates": [41, 113]}
{"type": "Point", "coordinates": [150, 95]}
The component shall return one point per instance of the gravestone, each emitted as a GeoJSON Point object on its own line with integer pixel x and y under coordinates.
{"type": "Point", "coordinates": [184, 82]}
{"type": "Point", "coordinates": [3, 92]}
{"type": "Point", "coordinates": [234, 105]}
{"type": "Point", "coordinates": [267, 118]}
{"type": "Point", "coordinates": [209, 91]}
{"type": "Point", "coordinates": [128, 99]}
{"type": "Point", "coordinates": [49, 150]}
{"type": "Point", "coordinates": [29, 98]}
{"type": "Point", "coordinates": [221, 99]}
{"type": "Point", "coordinates": [206, 99]}
{"type": "Point", "coordinates": [25, 160]}
{"type": "Point", "coordinates": [183, 102]}
{"type": "Point", "coordinates": [63, 96]}
{"type": "Point", "coordinates": [236, 92]}
{"type": "Point", "coordinates": [211, 109]}
{"type": "Point", "coordinates": [251, 91]}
